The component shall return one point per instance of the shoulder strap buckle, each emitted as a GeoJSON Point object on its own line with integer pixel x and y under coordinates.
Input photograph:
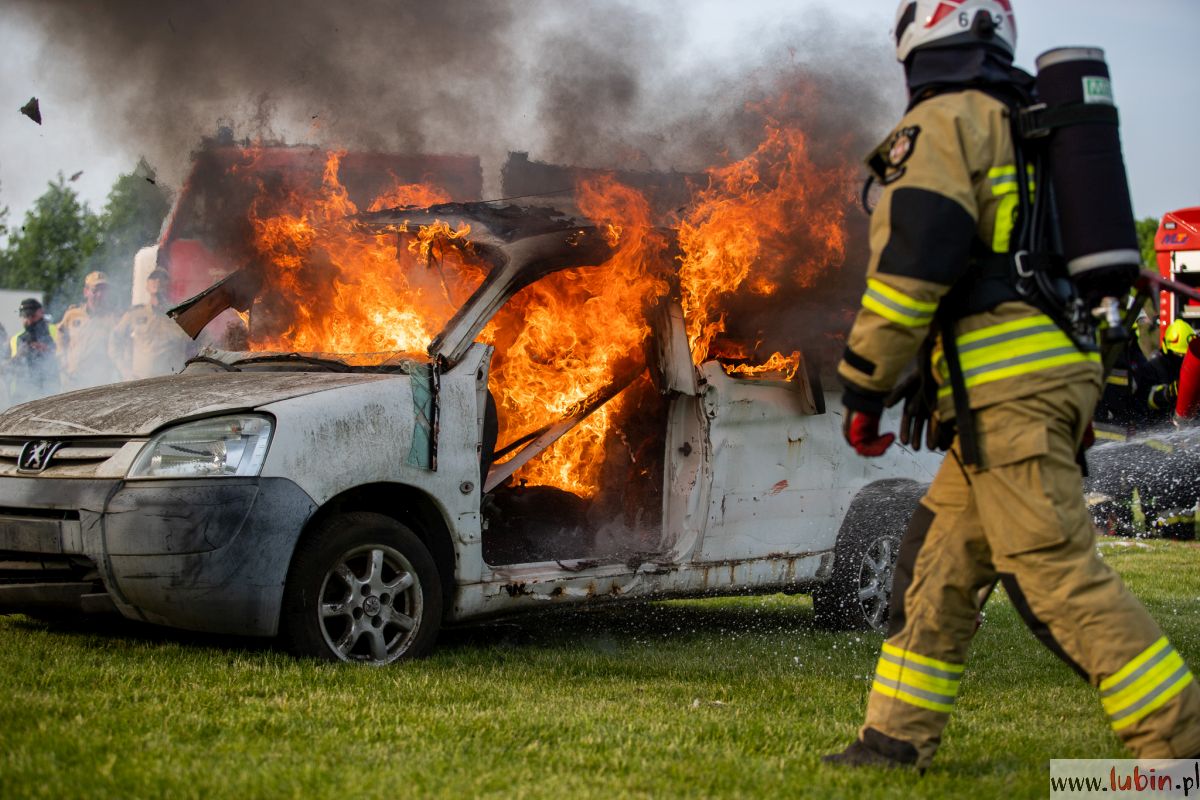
{"type": "Point", "coordinates": [1031, 123]}
{"type": "Point", "coordinates": [1021, 262]}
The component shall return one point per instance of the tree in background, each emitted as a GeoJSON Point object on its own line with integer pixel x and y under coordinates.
{"type": "Point", "coordinates": [1147, 330]}
{"type": "Point", "coordinates": [132, 218]}
{"type": "Point", "coordinates": [1146, 229]}
{"type": "Point", "coordinates": [62, 240]}
{"type": "Point", "coordinates": [53, 244]}
{"type": "Point", "coordinates": [4, 257]}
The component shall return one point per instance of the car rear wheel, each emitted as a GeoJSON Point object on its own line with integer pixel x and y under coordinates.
{"type": "Point", "coordinates": [859, 591]}
{"type": "Point", "coordinates": [362, 588]}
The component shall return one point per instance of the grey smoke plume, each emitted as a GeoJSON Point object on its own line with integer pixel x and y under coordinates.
{"type": "Point", "coordinates": [595, 83]}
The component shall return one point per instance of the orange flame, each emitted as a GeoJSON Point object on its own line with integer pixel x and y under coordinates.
{"type": "Point", "coordinates": [417, 195]}
{"type": "Point", "coordinates": [572, 329]}
{"type": "Point", "coordinates": [335, 289]}
{"type": "Point", "coordinates": [785, 366]}
{"type": "Point", "coordinates": [740, 228]}
{"type": "Point", "coordinates": [761, 227]}
{"type": "Point", "coordinates": [428, 235]}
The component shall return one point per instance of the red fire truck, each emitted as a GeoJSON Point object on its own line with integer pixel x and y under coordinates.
{"type": "Point", "coordinates": [1177, 250]}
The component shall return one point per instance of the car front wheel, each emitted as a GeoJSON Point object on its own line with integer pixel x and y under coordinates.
{"type": "Point", "coordinates": [362, 588]}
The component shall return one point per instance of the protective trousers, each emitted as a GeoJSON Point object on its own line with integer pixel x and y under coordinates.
{"type": "Point", "coordinates": [1020, 518]}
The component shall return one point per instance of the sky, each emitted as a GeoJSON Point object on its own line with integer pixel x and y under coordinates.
{"type": "Point", "coordinates": [1151, 48]}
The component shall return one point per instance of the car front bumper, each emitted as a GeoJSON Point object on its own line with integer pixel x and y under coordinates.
{"type": "Point", "coordinates": [205, 555]}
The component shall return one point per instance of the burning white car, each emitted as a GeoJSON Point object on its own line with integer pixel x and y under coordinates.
{"type": "Point", "coordinates": [354, 505]}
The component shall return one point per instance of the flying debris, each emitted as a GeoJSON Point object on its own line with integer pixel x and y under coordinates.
{"type": "Point", "coordinates": [32, 110]}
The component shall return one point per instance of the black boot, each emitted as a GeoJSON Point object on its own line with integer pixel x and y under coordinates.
{"type": "Point", "coordinates": [875, 750]}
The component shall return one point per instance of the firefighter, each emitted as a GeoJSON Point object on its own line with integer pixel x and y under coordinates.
{"type": "Point", "coordinates": [1007, 502]}
{"type": "Point", "coordinates": [1121, 411]}
{"type": "Point", "coordinates": [84, 331]}
{"type": "Point", "coordinates": [146, 342]}
{"type": "Point", "coordinates": [1158, 377]}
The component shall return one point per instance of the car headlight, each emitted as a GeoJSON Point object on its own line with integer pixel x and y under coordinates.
{"type": "Point", "coordinates": [207, 448]}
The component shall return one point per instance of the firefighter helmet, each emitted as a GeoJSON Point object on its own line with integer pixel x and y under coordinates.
{"type": "Point", "coordinates": [1177, 337]}
{"type": "Point", "coordinates": [945, 23]}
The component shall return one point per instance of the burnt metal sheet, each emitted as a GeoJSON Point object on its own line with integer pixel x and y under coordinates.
{"type": "Point", "coordinates": [674, 358]}
{"type": "Point", "coordinates": [530, 586]}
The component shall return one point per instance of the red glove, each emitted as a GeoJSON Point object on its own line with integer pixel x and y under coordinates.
{"type": "Point", "coordinates": [862, 432]}
{"type": "Point", "coordinates": [1089, 437]}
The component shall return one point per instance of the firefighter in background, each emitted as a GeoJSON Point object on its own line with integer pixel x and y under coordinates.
{"type": "Point", "coordinates": [1140, 483]}
{"type": "Point", "coordinates": [84, 332]}
{"type": "Point", "coordinates": [33, 366]}
{"type": "Point", "coordinates": [1008, 506]}
{"type": "Point", "coordinates": [146, 342]}
{"type": "Point", "coordinates": [1121, 411]}
{"type": "Point", "coordinates": [1158, 376]}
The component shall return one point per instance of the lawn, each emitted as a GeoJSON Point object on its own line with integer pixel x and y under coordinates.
{"type": "Point", "coordinates": [708, 698]}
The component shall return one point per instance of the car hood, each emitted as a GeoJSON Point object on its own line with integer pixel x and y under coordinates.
{"type": "Point", "coordinates": [138, 408]}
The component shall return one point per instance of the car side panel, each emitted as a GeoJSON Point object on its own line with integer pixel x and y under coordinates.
{"type": "Point", "coordinates": [783, 478]}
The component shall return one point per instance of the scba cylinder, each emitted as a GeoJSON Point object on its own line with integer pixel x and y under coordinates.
{"type": "Point", "coordinates": [1091, 190]}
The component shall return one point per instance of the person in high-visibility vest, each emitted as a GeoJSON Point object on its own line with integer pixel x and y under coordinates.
{"type": "Point", "coordinates": [1007, 503]}
{"type": "Point", "coordinates": [33, 354]}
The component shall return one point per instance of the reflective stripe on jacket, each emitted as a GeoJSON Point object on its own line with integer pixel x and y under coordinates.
{"type": "Point", "coordinates": [1012, 349]}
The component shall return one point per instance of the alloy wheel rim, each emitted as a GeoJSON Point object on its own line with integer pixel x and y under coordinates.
{"type": "Point", "coordinates": [370, 605]}
{"type": "Point", "coordinates": [875, 582]}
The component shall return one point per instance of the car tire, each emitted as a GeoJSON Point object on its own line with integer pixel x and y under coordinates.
{"type": "Point", "coordinates": [363, 588]}
{"type": "Point", "coordinates": [857, 594]}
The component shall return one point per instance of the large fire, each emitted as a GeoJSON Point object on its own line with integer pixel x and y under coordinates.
{"type": "Point", "coordinates": [571, 330]}
{"type": "Point", "coordinates": [735, 237]}
{"type": "Point", "coordinates": [332, 288]}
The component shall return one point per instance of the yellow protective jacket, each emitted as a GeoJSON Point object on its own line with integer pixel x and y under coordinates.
{"type": "Point", "coordinates": [950, 194]}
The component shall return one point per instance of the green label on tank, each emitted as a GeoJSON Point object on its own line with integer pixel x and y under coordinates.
{"type": "Point", "coordinates": [1097, 90]}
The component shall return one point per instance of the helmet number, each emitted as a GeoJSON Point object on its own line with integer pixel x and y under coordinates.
{"type": "Point", "coordinates": [964, 19]}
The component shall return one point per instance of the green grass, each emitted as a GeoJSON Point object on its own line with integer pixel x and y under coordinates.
{"type": "Point", "coordinates": [726, 697]}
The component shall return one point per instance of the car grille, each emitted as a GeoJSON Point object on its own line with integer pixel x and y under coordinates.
{"type": "Point", "coordinates": [72, 453]}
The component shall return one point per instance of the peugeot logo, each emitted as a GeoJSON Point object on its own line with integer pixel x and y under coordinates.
{"type": "Point", "coordinates": [35, 456]}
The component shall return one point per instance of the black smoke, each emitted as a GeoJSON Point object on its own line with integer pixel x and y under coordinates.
{"type": "Point", "coordinates": [598, 83]}
{"type": "Point", "coordinates": [594, 83]}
